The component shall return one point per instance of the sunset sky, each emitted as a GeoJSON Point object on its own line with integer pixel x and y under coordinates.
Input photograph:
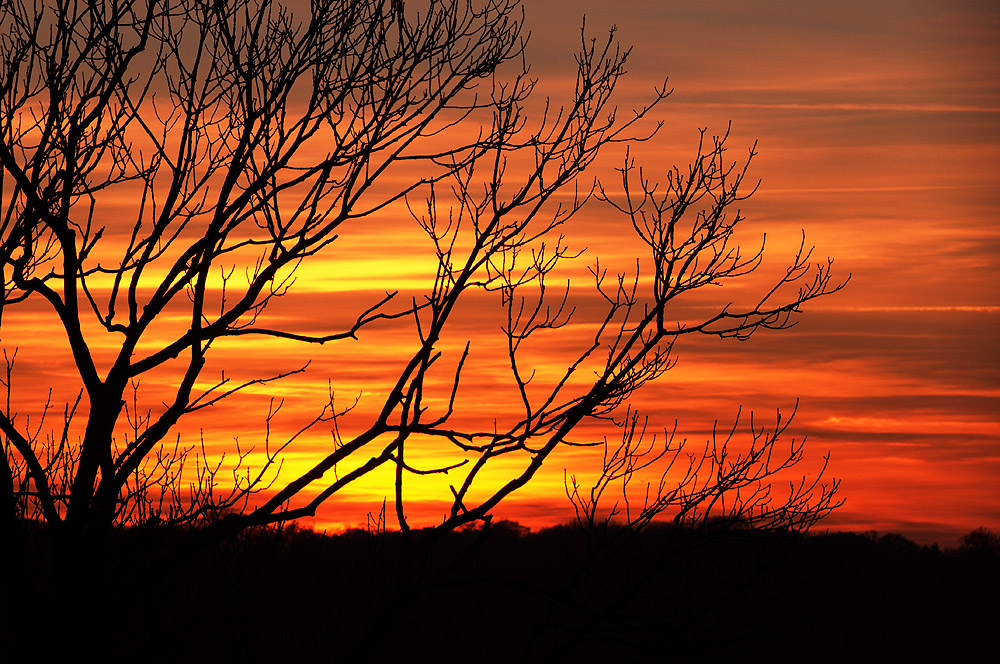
{"type": "Point", "coordinates": [877, 127]}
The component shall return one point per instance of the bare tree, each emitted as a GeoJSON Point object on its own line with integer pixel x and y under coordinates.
{"type": "Point", "coordinates": [249, 138]}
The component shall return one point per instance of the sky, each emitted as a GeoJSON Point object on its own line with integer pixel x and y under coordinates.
{"type": "Point", "coordinates": [877, 132]}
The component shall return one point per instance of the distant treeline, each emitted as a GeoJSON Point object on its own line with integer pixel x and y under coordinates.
{"type": "Point", "coordinates": [507, 594]}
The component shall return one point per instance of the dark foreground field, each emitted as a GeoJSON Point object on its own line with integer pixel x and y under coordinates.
{"type": "Point", "coordinates": [509, 595]}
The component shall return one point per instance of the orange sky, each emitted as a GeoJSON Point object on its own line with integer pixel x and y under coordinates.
{"type": "Point", "coordinates": [878, 129]}
{"type": "Point", "coordinates": [879, 134]}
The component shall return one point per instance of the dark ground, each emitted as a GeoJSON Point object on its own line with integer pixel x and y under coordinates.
{"type": "Point", "coordinates": [509, 595]}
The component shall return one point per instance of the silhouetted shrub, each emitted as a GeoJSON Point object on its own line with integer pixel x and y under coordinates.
{"type": "Point", "coordinates": [981, 542]}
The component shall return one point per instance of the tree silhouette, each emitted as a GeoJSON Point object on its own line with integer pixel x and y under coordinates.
{"type": "Point", "coordinates": [246, 138]}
